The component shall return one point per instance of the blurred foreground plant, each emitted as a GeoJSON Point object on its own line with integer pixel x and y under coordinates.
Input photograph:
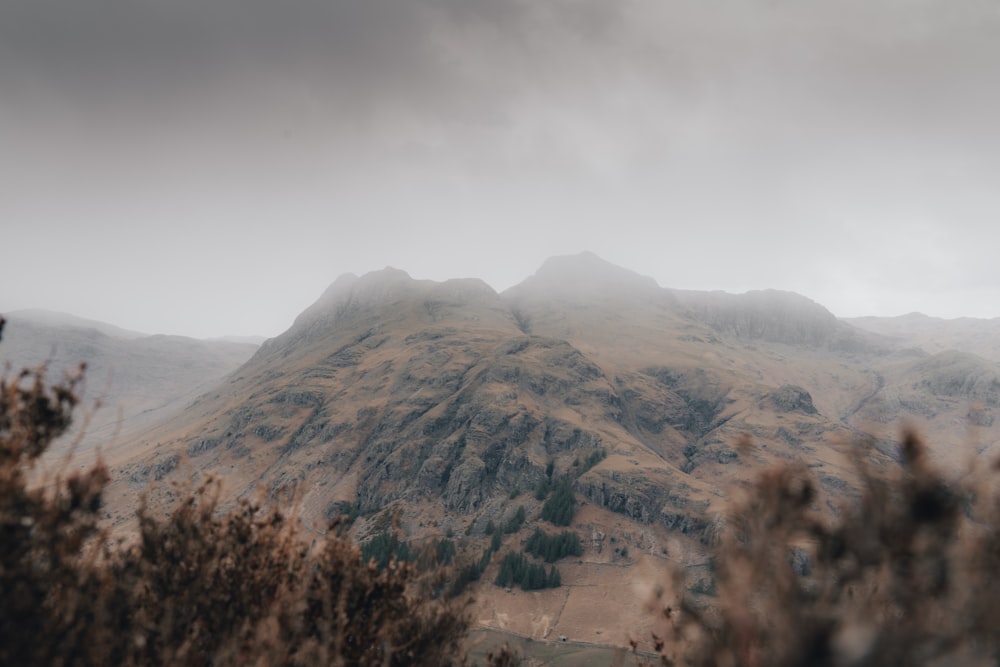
{"type": "Point", "coordinates": [200, 587]}
{"type": "Point", "coordinates": [906, 576]}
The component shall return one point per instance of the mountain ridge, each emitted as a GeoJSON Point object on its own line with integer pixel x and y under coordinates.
{"type": "Point", "coordinates": [423, 337]}
{"type": "Point", "coordinates": [133, 379]}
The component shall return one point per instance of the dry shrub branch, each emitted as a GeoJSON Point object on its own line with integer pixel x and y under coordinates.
{"type": "Point", "coordinates": [200, 587]}
{"type": "Point", "coordinates": [905, 576]}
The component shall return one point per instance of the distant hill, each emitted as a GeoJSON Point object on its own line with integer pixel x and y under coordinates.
{"type": "Point", "coordinates": [51, 318]}
{"type": "Point", "coordinates": [934, 334]}
{"type": "Point", "coordinates": [443, 409]}
{"type": "Point", "coordinates": [136, 377]}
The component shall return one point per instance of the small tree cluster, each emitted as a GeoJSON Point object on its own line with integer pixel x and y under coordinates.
{"type": "Point", "coordinates": [517, 569]}
{"type": "Point", "coordinates": [551, 548]}
{"type": "Point", "coordinates": [473, 571]}
{"type": "Point", "coordinates": [442, 552]}
{"type": "Point", "coordinates": [469, 573]}
{"type": "Point", "coordinates": [561, 504]}
{"type": "Point", "coordinates": [545, 485]}
{"type": "Point", "coordinates": [514, 523]}
{"type": "Point", "coordinates": [386, 547]}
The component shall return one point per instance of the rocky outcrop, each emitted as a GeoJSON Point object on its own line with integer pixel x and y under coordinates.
{"type": "Point", "coordinates": [647, 499]}
{"type": "Point", "coordinates": [693, 401]}
{"type": "Point", "coordinates": [156, 471]}
{"type": "Point", "coordinates": [792, 398]}
{"type": "Point", "coordinates": [631, 495]}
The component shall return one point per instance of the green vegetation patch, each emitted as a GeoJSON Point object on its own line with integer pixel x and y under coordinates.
{"type": "Point", "coordinates": [551, 548]}
{"type": "Point", "coordinates": [561, 504]}
{"type": "Point", "coordinates": [517, 569]}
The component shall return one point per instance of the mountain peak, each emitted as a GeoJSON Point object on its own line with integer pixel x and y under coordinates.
{"type": "Point", "coordinates": [584, 275]}
{"type": "Point", "coordinates": [350, 290]}
{"type": "Point", "coordinates": [377, 285]}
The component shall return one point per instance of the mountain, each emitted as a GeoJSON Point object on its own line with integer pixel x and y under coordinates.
{"type": "Point", "coordinates": [934, 334]}
{"type": "Point", "coordinates": [444, 409]}
{"type": "Point", "coordinates": [137, 378]}
{"type": "Point", "coordinates": [408, 390]}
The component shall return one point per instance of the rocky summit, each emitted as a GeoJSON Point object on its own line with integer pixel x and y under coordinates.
{"type": "Point", "coordinates": [446, 409]}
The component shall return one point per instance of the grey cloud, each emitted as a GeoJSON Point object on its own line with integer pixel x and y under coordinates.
{"type": "Point", "coordinates": [392, 51]}
{"type": "Point", "coordinates": [836, 69]}
{"type": "Point", "coordinates": [731, 125]}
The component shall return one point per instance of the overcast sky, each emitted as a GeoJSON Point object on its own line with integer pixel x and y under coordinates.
{"type": "Point", "coordinates": [208, 167]}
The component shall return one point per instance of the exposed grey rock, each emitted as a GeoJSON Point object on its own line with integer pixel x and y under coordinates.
{"type": "Point", "coordinates": [637, 497]}
{"type": "Point", "coordinates": [203, 445]}
{"type": "Point", "coordinates": [301, 398]}
{"type": "Point", "coordinates": [792, 398]}
{"type": "Point", "coordinates": [695, 401]}
{"type": "Point", "coordinates": [687, 524]}
{"type": "Point", "coordinates": [267, 432]}
{"type": "Point", "coordinates": [157, 471]}
{"type": "Point", "coordinates": [726, 455]}
{"type": "Point", "coordinates": [831, 482]}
